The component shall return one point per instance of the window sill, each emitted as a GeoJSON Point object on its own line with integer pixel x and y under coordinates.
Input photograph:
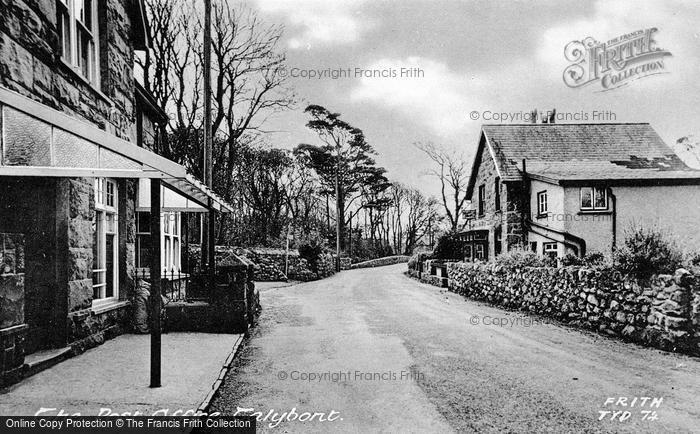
{"type": "Point", "coordinates": [78, 76]}
{"type": "Point", "coordinates": [594, 211]}
{"type": "Point", "coordinates": [106, 307]}
{"type": "Point", "coordinates": [542, 216]}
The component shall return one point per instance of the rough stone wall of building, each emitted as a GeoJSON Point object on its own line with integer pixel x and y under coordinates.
{"type": "Point", "coordinates": [87, 328]}
{"type": "Point", "coordinates": [11, 280]}
{"type": "Point", "coordinates": [12, 348]}
{"type": "Point", "coordinates": [127, 237]}
{"type": "Point", "coordinates": [507, 217]}
{"type": "Point", "coordinates": [662, 312]}
{"type": "Point", "coordinates": [30, 64]}
{"type": "Point", "coordinates": [13, 330]}
{"type": "Point", "coordinates": [486, 175]}
{"type": "Point", "coordinates": [56, 214]}
{"type": "Point", "coordinates": [514, 234]}
{"type": "Point", "coordinates": [80, 238]}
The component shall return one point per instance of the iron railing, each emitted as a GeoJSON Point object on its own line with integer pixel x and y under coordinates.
{"type": "Point", "coordinates": [175, 285]}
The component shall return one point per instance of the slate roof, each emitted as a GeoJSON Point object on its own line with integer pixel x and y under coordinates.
{"type": "Point", "coordinates": [564, 152]}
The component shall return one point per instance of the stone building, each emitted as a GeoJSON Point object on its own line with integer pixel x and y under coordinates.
{"type": "Point", "coordinates": [75, 168]}
{"type": "Point", "coordinates": [557, 189]}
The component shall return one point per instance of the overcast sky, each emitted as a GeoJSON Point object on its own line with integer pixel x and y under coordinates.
{"type": "Point", "coordinates": [474, 56]}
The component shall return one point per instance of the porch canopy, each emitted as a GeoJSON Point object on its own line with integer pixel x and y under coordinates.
{"type": "Point", "coordinates": [37, 140]}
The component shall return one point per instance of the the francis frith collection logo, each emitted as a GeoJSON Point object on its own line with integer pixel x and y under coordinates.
{"type": "Point", "coordinates": [614, 63]}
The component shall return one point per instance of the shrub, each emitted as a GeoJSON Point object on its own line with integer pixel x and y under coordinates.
{"type": "Point", "coordinates": [692, 263]}
{"type": "Point", "coordinates": [592, 260]}
{"type": "Point", "coordinates": [571, 259]}
{"type": "Point", "coordinates": [522, 258]}
{"type": "Point", "coordinates": [448, 247]}
{"type": "Point", "coordinates": [595, 260]}
{"type": "Point", "coordinates": [311, 252]}
{"type": "Point", "coordinates": [694, 259]}
{"type": "Point", "coordinates": [647, 251]}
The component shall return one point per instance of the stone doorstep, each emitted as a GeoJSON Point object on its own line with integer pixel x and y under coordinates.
{"type": "Point", "coordinates": [41, 360]}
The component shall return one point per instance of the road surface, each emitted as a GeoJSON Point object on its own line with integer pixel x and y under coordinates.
{"type": "Point", "coordinates": [372, 350]}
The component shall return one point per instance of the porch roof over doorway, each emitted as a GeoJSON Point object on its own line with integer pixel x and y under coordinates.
{"type": "Point", "coordinates": [36, 140]}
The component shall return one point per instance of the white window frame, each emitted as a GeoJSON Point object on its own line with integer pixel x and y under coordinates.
{"type": "Point", "coordinates": [542, 206]}
{"type": "Point", "coordinates": [77, 28]}
{"type": "Point", "coordinates": [552, 247]}
{"type": "Point", "coordinates": [170, 242]}
{"type": "Point", "coordinates": [593, 191]}
{"type": "Point", "coordinates": [106, 202]}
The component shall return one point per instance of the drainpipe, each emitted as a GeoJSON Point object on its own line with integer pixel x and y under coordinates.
{"type": "Point", "coordinates": [614, 218]}
{"type": "Point", "coordinates": [524, 206]}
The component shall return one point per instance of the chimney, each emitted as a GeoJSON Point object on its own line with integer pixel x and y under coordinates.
{"type": "Point", "coordinates": [534, 116]}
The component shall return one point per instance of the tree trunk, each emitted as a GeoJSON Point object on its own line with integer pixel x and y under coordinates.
{"type": "Point", "coordinates": [341, 216]}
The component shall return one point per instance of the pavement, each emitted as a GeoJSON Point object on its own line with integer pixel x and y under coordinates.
{"type": "Point", "coordinates": [114, 378]}
{"type": "Point", "coordinates": [371, 350]}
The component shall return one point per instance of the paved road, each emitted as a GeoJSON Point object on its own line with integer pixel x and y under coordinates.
{"type": "Point", "coordinates": [401, 356]}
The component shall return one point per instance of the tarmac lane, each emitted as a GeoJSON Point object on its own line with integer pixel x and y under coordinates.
{"type": "Point", "coordinates": [371, 350]}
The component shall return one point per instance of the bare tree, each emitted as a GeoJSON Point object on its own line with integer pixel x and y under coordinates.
{"type": "Point", "coordinates": [453, 173]}
{"type": "Point", "coordinates": [247, 83]}
{"type": "Point", "coordinates": [422, 215]}
{"type": "Point", "coordinates": [302, 194]}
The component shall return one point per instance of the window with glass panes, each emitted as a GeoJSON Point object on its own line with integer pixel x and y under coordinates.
{"type": "Point", "coordinates": [171, 242]}
{"type": "Point", "coordinates": [482, 199]}
{"type": "Point", "coordinates": [550, 249]}
{"type": "Point", "coordinates": [76, 21]}
{"type": "Point", "coordinates": [542, 203]}
{"type": "Point", "coordinates": [143, 240]}
{"type": "Point", "coordinates": [169, 238]}
{"type": "Point", "coordinates": [594, 198]}
{"type": "Point", "coordinates": [105, 270]}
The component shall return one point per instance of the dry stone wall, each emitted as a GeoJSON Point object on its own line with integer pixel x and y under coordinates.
{"type": "Point", "coordinates": [269, 263]}
{"type": "Point", "coordinates": [657, 313]}
{"type": "Point", "coordinates": [380, 262]}
{"type": "Point", "coordinates": [663, 312]}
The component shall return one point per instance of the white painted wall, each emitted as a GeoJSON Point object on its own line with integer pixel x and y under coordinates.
{"type": "Point", "coordinates": [675, 209]}
{"type": "Point", "coordinates": [555, 204]}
